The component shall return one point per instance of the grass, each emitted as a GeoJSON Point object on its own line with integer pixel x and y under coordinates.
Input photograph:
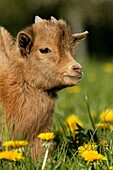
{"type": "Point", "coordinates": [97, 85]}
{"type": "Point", "coordinates": [87, 100]}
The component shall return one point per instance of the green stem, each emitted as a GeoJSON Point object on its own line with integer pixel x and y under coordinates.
{"type": "Point", "coordinates": [45, 158]}
{"type": "Point", "coordinates": [89, 113]}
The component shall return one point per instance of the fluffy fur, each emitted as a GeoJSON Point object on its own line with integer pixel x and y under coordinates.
{"type": "Point", "coordinates": [32, 69]}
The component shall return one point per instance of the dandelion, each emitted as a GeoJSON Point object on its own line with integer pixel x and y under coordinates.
{"type": "Point", "coordinates": [92, 155]}
{"type": "Point", "coordinates": [89, 152]}
{"type": "Point", "coordinates": [104, 126]}
{"type": "Point", "coordinates": [104, 143]}
{"type": "Point", "coordinates": [108, 67]}
{"type": "Point", "coordinates": [11, 155]}
{"type": "Point", "coordinates": [111, 167]}
{"type": "Point", "coordinates": [46, 136]}
{"type": "Point", "coordinates": [74, 89]}
{"type": "Point", "coordinates": [72, 122]}
{"type": "Point", "coordinates": [87, 147]}
{"type": "Point", "coordinates": [15, 144]}
{"type": "Point", "coordinates": [107, 115]}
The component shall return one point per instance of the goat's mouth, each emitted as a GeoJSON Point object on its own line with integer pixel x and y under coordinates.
{"type": "Point", "coordinates": [72, 79]}
{"type": "Point", "coordinates": [77, 77]}
{"type": "Point", "coordinates": [67, 81]}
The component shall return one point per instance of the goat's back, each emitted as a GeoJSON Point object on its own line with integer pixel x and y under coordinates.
{"type": "Point", "coordinates": [6, 43]}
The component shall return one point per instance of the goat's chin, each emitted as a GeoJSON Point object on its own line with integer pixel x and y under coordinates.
{"type": "Point", "coordinates": [66, 82]}
{"type": "Point", "coordinates": [71, 80]}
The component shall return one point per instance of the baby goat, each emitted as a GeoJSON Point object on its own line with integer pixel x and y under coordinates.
{"type": "Point", "coordinates": [33, 68]}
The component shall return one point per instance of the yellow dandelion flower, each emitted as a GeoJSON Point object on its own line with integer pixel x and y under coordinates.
{"type": "Point", "coordinates": [108, 67]}
{"type": "Point", "coordinates": [87, 147]}
{"type": "Point", "coordinates": [71, 121]}
{"type": "Point", "coordinates": [15, 144]}
{"type": "Point", "coordinates": [46, 136]}
{"type": "Point", "coordinates": [104, 126]}
{"type": "Point", "coordinates": [11, 155]}
{"type": "Point", "coordinates": [92, 155]}
{"type": "Point", "coordinates": [74, 89]}
{"type": "Point", "coordinates": [111, 167]}
{"type": "Point", "coordinates": [107, 115]}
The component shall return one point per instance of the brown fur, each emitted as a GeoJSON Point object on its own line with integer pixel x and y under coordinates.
{"type": "Point", "coordinates": [30, 79]}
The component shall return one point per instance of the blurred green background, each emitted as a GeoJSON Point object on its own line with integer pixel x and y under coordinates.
{"type": "Point", "coordinates": [96, 16]}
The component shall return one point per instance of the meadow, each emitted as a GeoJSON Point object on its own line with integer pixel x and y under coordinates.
{"type": "Point", "coordinates": [82, 124]}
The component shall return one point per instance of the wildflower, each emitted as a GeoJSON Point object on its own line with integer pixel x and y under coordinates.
{"type": "Point", "coordinates": [15, 144]}
{"type": "Point", "coordinates": [92, 155]}
{"type": "Point", "coordinates": [107, 115]}
{"type": "Point", "coordinates": [87, 147]}
{"type": "Point", "coordinates": [104, 143]}
{"type": "Point", "coordinates": [108, 67]}
{"type": "Point", "coordinates": [46, 136]}
{"type": "Point", "coordinates": [72, 121]}
{"type": "Point", "coordinates": [105, 126]}
{"type": "Point", "coordinates": [74, 89]}
{"type": "Point", "coordinates": [111, 167]}
{"type": "Point", "coordinates": [11, 155]}
{"type": "Point", "coordinates": [89, 152]}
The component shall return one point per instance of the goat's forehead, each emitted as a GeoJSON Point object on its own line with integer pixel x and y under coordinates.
{"type": "Point", "coordinates": [48, 28]}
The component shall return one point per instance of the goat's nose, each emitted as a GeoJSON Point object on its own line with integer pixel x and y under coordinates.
{"type": "Point", "coordinates": [77, 68]}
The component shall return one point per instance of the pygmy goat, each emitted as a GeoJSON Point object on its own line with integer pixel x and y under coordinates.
{"type": "Point", "coordinates": [33, 68]}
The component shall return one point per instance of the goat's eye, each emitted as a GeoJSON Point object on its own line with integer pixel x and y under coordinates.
{"type": "Point", "coordinates": [44, 50]}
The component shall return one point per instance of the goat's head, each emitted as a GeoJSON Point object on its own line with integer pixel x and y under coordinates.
{"type": "Point", "coordinates": [48, 49]}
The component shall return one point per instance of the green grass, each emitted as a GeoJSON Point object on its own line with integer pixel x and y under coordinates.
{"type": "Point", "coordinates": [97, 85]}
{"type": "Point", "coordinates": [96, 94]}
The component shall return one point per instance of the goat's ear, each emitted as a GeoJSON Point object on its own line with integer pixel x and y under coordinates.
{"type": "Point", "coordinates": [80, 36]}
{"type": "Point", "coordinates": [25, 42]}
